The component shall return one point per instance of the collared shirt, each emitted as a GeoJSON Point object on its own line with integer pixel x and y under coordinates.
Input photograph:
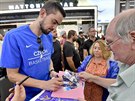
{"type": "Point", "coordinates": [124, 88]}
{"type": "Point", "coordinates": [99, 69]}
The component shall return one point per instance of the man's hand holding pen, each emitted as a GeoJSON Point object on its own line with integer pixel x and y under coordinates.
{"type": "Point", "coordinates": [18, 94]}
{"type": "Point", "coordinates": [12, 89]}
{"type": "Point", "coordinates": [53, 73]}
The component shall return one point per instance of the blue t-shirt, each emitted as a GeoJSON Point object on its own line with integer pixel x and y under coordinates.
{"type": "Point", "coordinates": [20, 50]}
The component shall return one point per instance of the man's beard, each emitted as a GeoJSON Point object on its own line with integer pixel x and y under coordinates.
{"type": "Point", "coordinates": [74, 40]}
{"type": "Point", "coordinates": [54, 37]}
{"type": "Point", "coordinates": [44, 31]}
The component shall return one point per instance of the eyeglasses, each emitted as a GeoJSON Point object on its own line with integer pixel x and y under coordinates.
{"type": "Point", "coordinates": [41, 48]}
{"type": "Point", "coordinates": [111, 43]}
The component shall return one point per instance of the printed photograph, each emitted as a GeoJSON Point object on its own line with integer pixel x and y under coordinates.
{"type": "Point", "coordinates": [70, 80]}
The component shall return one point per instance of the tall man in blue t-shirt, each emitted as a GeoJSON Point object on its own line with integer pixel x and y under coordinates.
{"type": "Point", "coordinates": [27, 51]}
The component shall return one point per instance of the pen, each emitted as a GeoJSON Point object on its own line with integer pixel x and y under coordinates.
{"type": "Point", "coordinates": [12, 89]}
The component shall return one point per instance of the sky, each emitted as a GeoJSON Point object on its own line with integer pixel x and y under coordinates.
{"type": "Point", "coordinates": [106, 9]}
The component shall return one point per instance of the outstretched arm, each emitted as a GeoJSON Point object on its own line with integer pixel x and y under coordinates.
{"type": "Point", "coordinates": [104, 82]}
{"type": "Point", "coordinates": [52, 84]}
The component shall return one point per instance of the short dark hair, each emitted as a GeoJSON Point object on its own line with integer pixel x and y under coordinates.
{"type": "Point", "coordinates": [53, 6]}
{"type": "Point", "coordinates": [81, 32]}
{"type": "Point", "coordinates": [71, 33]}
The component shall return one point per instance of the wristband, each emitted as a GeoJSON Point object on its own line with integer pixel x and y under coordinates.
{"type": "Point", "coordinates": [51, 70]}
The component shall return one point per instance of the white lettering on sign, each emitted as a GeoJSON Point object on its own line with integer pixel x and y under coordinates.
{"type": "Point", "coordinates": [11, 7]}
{"type": "Point", "coordinates": [37, 5]}
{"type": "Point", "coordinates": [25, 6]}
{"type": "Point", "coordinates": [32, 6]}
{"type": "Point", "coordinates": [17, 7]}
{"type": "Point", "coordinates": [21, 6]}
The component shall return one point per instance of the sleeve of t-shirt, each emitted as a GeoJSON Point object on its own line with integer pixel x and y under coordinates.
{"type": "Point", "coordinates": [10, 57]}
{"type": "Point", "coordinates": [68, 51]}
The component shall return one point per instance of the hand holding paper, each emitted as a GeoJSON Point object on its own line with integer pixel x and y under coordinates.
{"type": "Point", "coordinates": [53, 84]}
{"type": "Point", "coordinates": [72, 93]}
{"type": "Point", "coordinates": [71, 81]}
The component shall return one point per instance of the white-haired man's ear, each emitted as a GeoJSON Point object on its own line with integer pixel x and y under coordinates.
{"type": "Point", "coordinates": [132, 36]}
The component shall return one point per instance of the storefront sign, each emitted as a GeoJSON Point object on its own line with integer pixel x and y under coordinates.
{"type": "Point", "coordinates": [38, 5]}
{"type": "Point", "coordinates": [25, 6]}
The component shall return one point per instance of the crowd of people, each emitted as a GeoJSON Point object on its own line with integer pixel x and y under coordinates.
{"type": "Point", "coordinates": [34, 50]}
{"type": "Point", "coordinates": [27, 51]}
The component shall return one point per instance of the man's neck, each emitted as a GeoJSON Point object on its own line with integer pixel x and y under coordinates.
{"type": "Point", "coordinates": [54, 39]}
{"type": "Point", "coordinates": [70, 40]}
{"type": "Point", "coordinates": [35, 28]}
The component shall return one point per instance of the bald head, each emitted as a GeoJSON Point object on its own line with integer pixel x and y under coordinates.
{"type": "Point", "coordinates": [120, 36]}
{"type": "Point", "coordinates": [123, 23]}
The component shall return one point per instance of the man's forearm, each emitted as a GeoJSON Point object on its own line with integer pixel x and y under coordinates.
{"type": "Point", "coordinates": [16, 77]}
{"type": "Point", "coordinates": [73, 68]}
{"type": "Point", "coordinates": [71, 64]}
{"type": "Point", "coordinates": [104, 82]}
{"type": "Point", "coordinates": [85, 53]}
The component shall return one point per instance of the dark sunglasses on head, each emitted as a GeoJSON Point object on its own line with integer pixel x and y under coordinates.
{"type": "Point", "coordinates": [39, 41]}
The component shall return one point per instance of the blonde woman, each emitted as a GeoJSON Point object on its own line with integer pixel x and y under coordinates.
{"type": "Point", "coordinates": [99, 64]}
